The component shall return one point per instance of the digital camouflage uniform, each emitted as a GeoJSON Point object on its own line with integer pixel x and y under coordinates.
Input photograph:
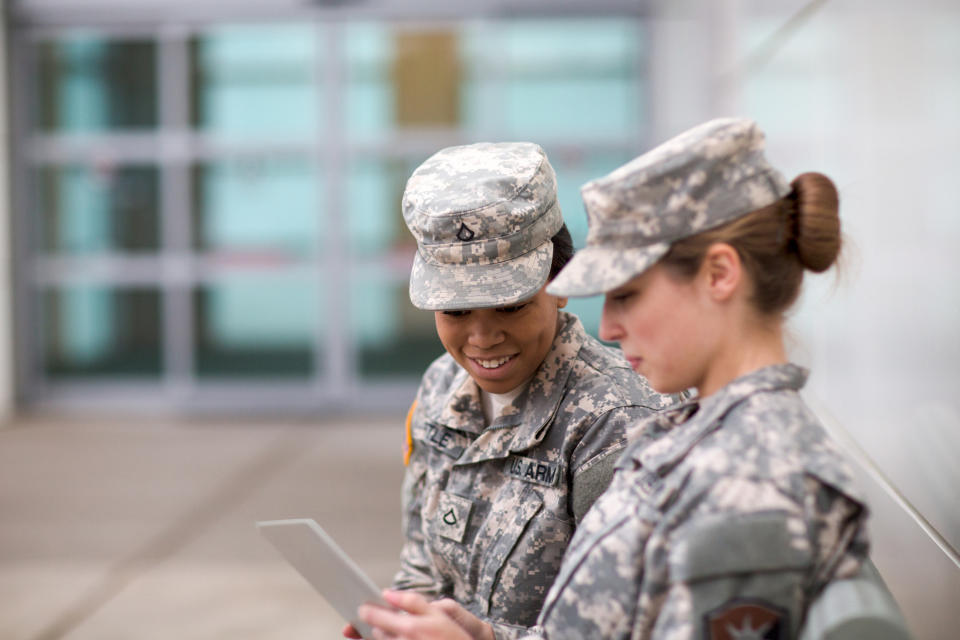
{"type": "Point", "coordinates": [723, 518]}
{"type": "Point", "coordinates": [488, 512]}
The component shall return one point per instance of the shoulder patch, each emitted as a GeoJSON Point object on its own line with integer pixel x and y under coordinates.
{"type": "Point", "coordinates": [746, 619]}
{"type": "Point", "coordinates": [408, 446]}
{"type": "Point", "coordinates": [732, 543]}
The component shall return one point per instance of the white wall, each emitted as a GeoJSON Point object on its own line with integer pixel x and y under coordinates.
{"type": "Point", "coordinates": [867, 92]}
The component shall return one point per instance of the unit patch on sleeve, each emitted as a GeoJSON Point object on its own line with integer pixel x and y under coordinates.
{"type": "Point", "coordinates": [531, 470]}
{"type": "Point", "coordinates": [746, 619]}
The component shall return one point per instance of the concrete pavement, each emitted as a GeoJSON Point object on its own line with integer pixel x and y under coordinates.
{"type": "Point", "coordinates": [130, 529]}
{"type": "Point", "coordinates": [121, 529]}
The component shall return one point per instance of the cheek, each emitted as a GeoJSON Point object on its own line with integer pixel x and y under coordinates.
{"type": "Point", "coordinates": [447, 335]}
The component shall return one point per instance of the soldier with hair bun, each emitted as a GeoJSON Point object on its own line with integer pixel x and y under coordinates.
{"type": "Point", "coordinates": [728, 514]}
{"type": "Point", "coordinates": [515, 430]}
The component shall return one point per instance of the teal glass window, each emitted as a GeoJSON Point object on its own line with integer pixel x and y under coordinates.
{"type": "Point", "coordinates": [375, 225]}
{"type": "Point", "coordinates": [573, 170]}
{"type": "Point", "coordinates": [258, 207]}
{"type": "Point", "coordinates": [392, 337]}
{"type": "Point", "coordinates": [88, 83]}
{"type": "Point", "coordinates": [254, 324]}
{"type": "Point", "coordinates": [96, 330]}
{"type": "Point", "coordinates": [256, 80]}
{"type": "Point", "coordinates": [539, 80]}
{"type": "Point", "coordinates": [368, 94]}
{"type": "Point", "coordinates": [85, 210]}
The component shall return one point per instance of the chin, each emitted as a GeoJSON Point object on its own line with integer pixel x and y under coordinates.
{"type": "Point", "coordinates": [667, 386]}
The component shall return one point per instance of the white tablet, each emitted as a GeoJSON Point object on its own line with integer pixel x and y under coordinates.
{"type": "Point", "coordinates": [324, 564]}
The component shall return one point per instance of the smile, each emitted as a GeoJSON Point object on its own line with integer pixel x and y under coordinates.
{"type": "Point", "coordinates": [494, 363]}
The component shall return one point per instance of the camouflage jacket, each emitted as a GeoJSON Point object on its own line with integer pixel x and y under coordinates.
{"type": "Point", "coordinates": [488, 512]}
{"type": "Point", "coordinates": [723, 520]}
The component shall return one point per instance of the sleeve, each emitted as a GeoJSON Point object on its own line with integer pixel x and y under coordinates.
{"type": "Point", "coordinates": [596, 455]}
{"type": "Point", "coordinates": [416, 568]}
{"type": "Point", "coordinates": [733, 576]}
{"type": "Point", "coordinates": [503, 631]}
{"type": "Point", "coordinates": [750, 568]}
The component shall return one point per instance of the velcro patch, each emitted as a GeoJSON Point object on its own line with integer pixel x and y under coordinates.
{"type": "Point", "coordinates": [446, 441]}
{"type": "Point", "coordinates": [531, 470]}
{"type": "Point", "coordinates": [453, 513]}
{"type": "Point", "coordinates": [746, 618]}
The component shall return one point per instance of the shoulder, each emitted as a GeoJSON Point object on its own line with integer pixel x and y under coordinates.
{"type": "Point", "coordinates": [440, 373]}
{"type": "Point", "coordinates": [767, 448]}
{"type": "Point", "coordinates": [604, 374]}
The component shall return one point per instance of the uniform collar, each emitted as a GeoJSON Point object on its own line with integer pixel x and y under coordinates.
{"type": "Point", "coordinates": [665, 452]}
{"type": "Point", "coordinates": [534, 408]}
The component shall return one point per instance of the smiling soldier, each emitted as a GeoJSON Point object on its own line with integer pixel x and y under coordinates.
{"type": "Point", "coordinates": [515, 430]}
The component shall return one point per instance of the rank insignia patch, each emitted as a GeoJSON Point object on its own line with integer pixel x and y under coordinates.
{"type": "Point", "coordinates": [453, 513]}
{"type": "Point", "coordinates": [746, 619]}
{"type": "Point", "coordinates": [465, 234]}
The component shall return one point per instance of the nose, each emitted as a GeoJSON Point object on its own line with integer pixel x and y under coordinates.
{"type": "Point", "coordinates": [610, 328]}
{"type": "Point", "coordinates": [484, 333]}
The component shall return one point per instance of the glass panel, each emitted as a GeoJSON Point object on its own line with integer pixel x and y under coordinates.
{"type": "Point", "coordinates": [554, 79]}
{"type": "Point", "coordinates": [89, 83]}
{"type": "Point", "coordinates": [374, 221]}
{"type": "Point", "coordinates": [426, 78]}
{"type": "Point", "coordinates": [257, 325]}
{"type": "Point", "coordinates": [399, 78]}
{"type": "Point", "coordinates": [256, 81]}
{"type": "Point", "coordinates": [573, 170]}
{"type": "Point", "coordinates": [258, 206]}
{"type": "Point", "coordinates": [393, 337]}
{"type": "Point", "coordinates": [83, 210]}
{"type": "Point", "coordinates": [368, 94]}
{"type": "Point", "coordinates": [92, 330]}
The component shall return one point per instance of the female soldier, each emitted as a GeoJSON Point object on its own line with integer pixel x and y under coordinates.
{"type": "Point", "coordinates": [728, 514]}
{"type": "Point", "coordinates": [515, 429]}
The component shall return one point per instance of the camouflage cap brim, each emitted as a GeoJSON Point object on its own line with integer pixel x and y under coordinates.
{"type": "Point", "coordinates": [453, 287]}
{"type": "Point", "coordinates": [598, 269]}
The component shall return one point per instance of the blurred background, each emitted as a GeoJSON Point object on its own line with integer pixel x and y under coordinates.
{"type": "Point", "coordinates": [203, 309]}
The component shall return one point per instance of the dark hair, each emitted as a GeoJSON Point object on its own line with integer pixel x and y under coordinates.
{"type": "Point", "coordinates": [776, 243]}
{"type": "Point", "coordinates": [562, 250]}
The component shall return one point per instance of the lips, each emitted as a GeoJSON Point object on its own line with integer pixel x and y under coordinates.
{"type": "Point", "coordinates": [492, 363]}
{"type": "Point", "coordinates": [634, 362]}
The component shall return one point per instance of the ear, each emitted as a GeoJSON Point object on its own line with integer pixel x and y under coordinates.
{"type": "Point", "coordinates": [721, 271]}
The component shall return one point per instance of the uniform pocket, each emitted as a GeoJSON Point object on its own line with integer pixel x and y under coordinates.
{"type": "Point", "coordinates": [522, 558]}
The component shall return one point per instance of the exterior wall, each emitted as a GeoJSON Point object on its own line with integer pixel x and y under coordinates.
{"type": "Point", "coordinates": [7, 357]}
{"type": "Point", "coordinates": [866, 92]}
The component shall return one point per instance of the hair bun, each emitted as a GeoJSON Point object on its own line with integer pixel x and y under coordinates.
{"type": "Point", "coordinates": [817, 225]}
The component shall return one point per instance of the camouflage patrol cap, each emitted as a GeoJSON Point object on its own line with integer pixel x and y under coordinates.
{"type": "Point", "coordinates": [701, 179]}
{"type": "Point", "coordinates": [483, 216]}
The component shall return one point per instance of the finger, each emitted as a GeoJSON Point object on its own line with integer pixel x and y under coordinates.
{"type": "Point", "coordinates": [382, 635]}
{"type": "Point", "coordinates": [408, 601]}
{"type": "Point", "coordinates": [473, 625]}
{"type": "Point", "coordinates": [449, 606]}
{"type": "Point", "coordinates": [349, 631]}
{"type": "Point", "coordinates": [386, 620]}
